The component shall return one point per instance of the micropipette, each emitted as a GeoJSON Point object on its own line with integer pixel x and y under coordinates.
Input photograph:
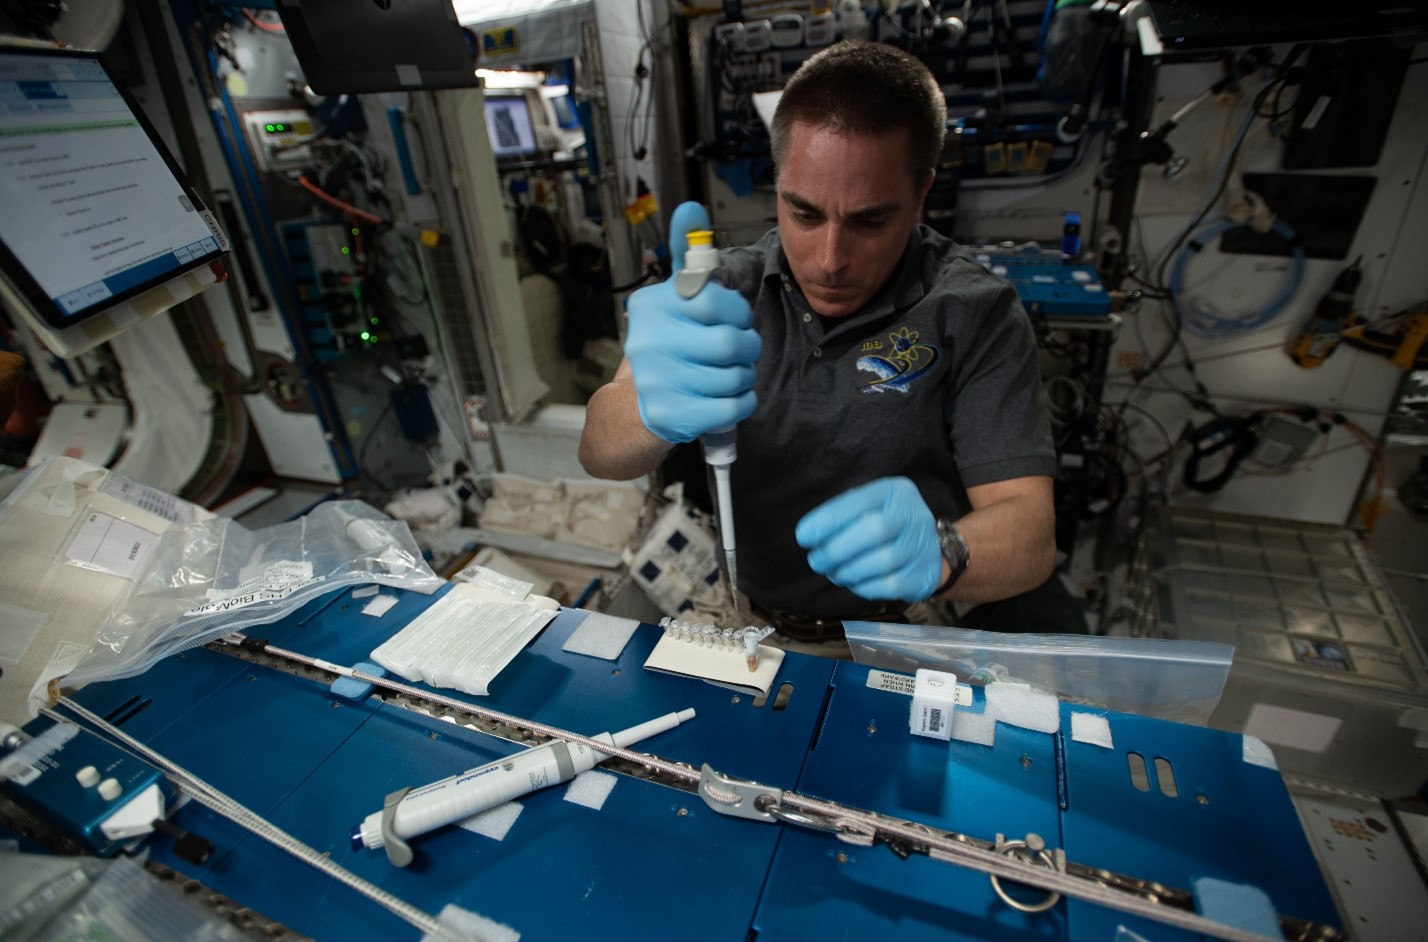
{"type": "Point", "coordinates": [720, 448]}
{"type": "Point", "coordinates": [482, 788]}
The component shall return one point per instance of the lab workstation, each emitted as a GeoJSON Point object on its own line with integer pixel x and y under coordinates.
{"type": "Point", "coordinates": [494, 470]}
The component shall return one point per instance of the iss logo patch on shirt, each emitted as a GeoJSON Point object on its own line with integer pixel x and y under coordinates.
{"type": "Point", "coordinates": [898, 363]}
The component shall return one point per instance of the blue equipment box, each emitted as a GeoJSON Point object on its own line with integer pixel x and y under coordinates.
{"type": "Point", "coordinates": [1048, 283]}
{"type": "Point", "coordinates": [97, 794]}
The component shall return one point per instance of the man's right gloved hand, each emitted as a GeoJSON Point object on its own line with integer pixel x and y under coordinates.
{"type": "Point", "coordinates": [692, 359]}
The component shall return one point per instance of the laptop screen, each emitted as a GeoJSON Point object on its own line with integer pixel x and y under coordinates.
{"type": "Point", "coordinates": [95, 210]}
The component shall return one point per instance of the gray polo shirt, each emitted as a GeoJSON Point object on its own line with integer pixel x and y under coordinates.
{"type": "Point", "coordinates": [936, 380]}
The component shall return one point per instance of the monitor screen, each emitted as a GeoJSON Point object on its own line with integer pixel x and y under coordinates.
{"type": "Point", "coordinates": [95, 210]}
{"type": "Point", "coordinates": [355, 46]}
{"type": "Point", "coordinates": [508, 122]}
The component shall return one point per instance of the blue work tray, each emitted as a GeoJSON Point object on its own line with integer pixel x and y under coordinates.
{"type": "Point", "coordinates": [1229, 818]}
{"type": "Point", "coordinates": [316, 765]}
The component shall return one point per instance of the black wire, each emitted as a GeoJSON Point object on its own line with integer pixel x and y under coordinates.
{"type": "Point", "coordinates": [1113, 479]}
{"type": "Point", "coordinates": [1159, 425]}
{"type": "Point", "coordinates": [618, 289]}
{"type": "Point", "coordinates": [364, 471]}
{"type": "Point", "coordinates": [1256, 105]}
{"type": "Point", "coordinates": [1152, 292]}
{"type": "Point", "coordinates": [1177, 322]}
{"type": "Point", "coordinates": [362, 451]}
{"type": "Point", "coordinates": [643, 76]}
{"type": "Point", "coordinates": [648, 46]}
{"type": "Point", "coordinates": [409, 244]}
{"type": "Point", "coordinates": [630, 112]}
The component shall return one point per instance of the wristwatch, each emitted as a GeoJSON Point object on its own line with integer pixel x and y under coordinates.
{"type": "Point", "coordinates": [954, 550]}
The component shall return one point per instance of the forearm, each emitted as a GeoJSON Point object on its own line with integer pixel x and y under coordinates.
{"type": "Point", "coordinates": [1012, 545]}
{"type": "Point", "coordinates": [614, 443]}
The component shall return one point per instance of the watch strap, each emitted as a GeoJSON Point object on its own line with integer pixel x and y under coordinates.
{"type": "Point", "coordinates": [954, 550]}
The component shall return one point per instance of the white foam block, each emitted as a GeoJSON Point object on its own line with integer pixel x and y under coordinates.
{"type": "Point", "coordinates": [1091, 728]}
{"type": "Point", "coordinates": [464, 924]}
{"type": "Point", "coordinates": [602, 636]}
{"type": "Point", "coordinates": [495, 822]}
{"type": "Point", "coordinates": [1019, 706]}
{"type": "Point", "coordinates": [379, 605]}
{"type": "Point", "coordinates": [979, 728]}
{"type": "Point", "coordinates": [590, 789]}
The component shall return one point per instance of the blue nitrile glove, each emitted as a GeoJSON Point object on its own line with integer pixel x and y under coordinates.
{"type": "Point", "coordinates": [693, 360]}
{"type": "Point", "coordinates": [878, 540]}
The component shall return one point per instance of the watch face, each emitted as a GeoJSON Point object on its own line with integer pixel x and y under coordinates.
{"type": "Point", "coordinates": [953, 546]}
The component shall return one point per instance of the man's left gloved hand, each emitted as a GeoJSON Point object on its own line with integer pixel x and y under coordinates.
{"type": "Point", "coordinates": [878, 540]}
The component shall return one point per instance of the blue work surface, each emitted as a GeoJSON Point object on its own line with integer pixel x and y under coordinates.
{"type": "Point", "coordinates": [316, 765]}
{"type": "Point", "coordinates": [865, 757]}
{"type": "Point", "coordinates": [1227, 818]}
{"type": "Point", "coordinates": [654, 861]}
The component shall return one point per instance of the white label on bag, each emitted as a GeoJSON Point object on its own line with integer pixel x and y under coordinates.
{"type": "Point", "coordinates": [275, 581]}
{"type": "Point", "coordinates": [895, 683]}
{"type": "Point", "coordinates": [905, 684]}
{"type": "Point", "coordinates": [155, 501]}
{"type": "Point", "coordinates": [108, 544]}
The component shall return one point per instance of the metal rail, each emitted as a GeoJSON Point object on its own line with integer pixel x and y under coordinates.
{"type": "Point", "coordinates": [1027, 862]}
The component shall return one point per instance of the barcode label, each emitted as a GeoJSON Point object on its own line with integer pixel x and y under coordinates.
{"type": "Point", "coordinates": [934, 721]}
{"type": "Point", "coordinates": [893, 683]}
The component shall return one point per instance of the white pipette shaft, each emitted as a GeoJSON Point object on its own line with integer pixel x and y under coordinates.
{"type": "Point", "coordinates": [726, 520]}
{"type": "Point", "coordinates": [700, 262]}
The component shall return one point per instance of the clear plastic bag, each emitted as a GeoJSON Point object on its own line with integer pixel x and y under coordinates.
{"type": "Point", "coordinates": [1172, 680]}
{"type": "Point", "coordinates": [122, 901]}
{"type": "Point", "coordinates": [207, 578]}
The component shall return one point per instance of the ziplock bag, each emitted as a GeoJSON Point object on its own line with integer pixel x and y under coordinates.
{"type": "Point", "coordinates": [1172, 680]}
{"type": "Point", "coordinates": [207, 578]}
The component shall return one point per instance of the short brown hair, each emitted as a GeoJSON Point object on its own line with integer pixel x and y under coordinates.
{"type": "Point", "coordinates": [866, 88]}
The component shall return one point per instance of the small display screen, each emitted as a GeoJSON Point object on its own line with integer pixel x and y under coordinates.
{"type": "Point", "coordinates": [95, 210]}
{"type": "Point", "coordinates": [508, 121]}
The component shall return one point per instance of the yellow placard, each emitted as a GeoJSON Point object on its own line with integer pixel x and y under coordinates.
{"type": "Point", "coordinates": [501, 41]}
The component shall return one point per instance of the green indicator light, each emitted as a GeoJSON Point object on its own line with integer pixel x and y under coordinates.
{"type": "Point", "coordinates": [271, 128]}
{"type": "Point", "coordinates": [346, 250]}
{"type": "Point", "coordinates": [366, 336]}
{"type": "Point", "coordinates": [356, 231]}
{"type": "Point", "coordinates": [280, 127]}
{"type": "Point", "coordinates": [374, 322]}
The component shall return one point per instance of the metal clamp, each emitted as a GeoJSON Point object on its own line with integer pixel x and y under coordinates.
{"type": "Point", "coordinates": [1032, 850]}
{"type": "Point", "coordinates": [739, 798]}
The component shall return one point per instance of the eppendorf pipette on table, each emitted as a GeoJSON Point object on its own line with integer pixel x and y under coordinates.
{"type": "Point", "coordinates": [411, 813]}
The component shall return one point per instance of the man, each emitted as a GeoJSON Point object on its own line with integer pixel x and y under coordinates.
{"type": "Point", "coordinates": [893, 442]}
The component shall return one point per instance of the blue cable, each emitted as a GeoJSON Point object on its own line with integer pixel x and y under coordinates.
{"type": "Point", "coordinates": [1210, 324]}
